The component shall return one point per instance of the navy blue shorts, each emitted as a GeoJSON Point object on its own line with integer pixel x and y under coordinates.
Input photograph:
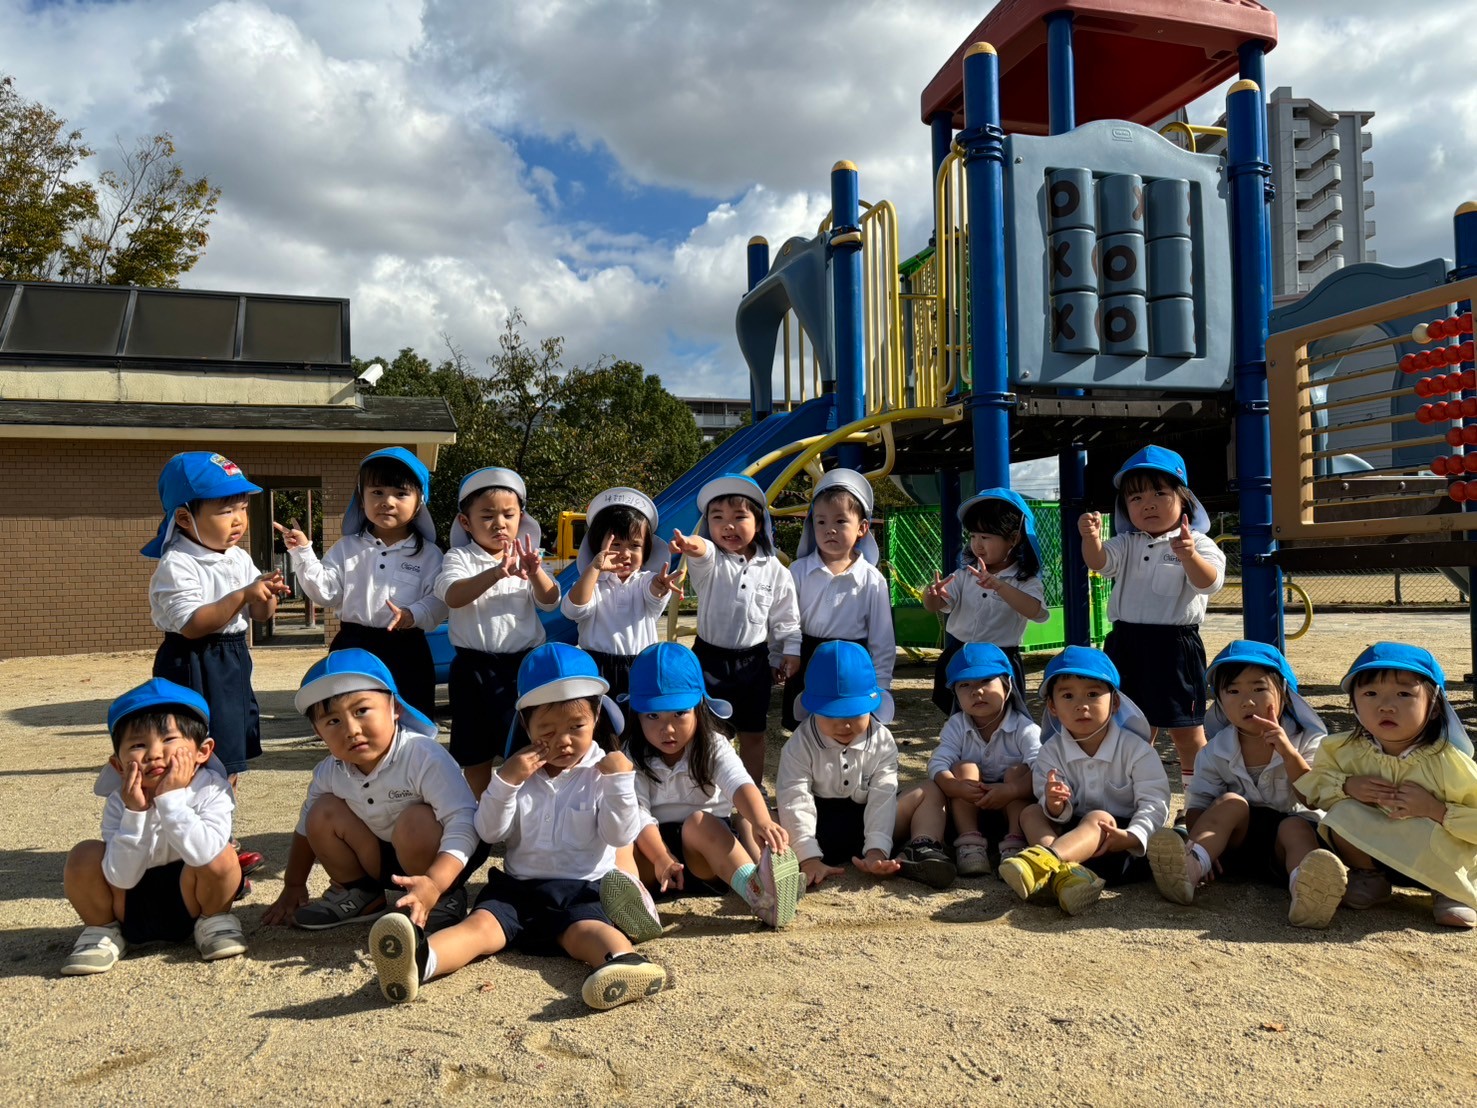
{"type": "Point", "coordinates": [534, 912]}
{"type": "Point", "coordinates": [741, 677]}
{"type": "Point", "coordinates": [1117, 868]}
{"type": "Point", "coordinates": [484, 690]}
{"type": "Point", "coordinates": [154, 910]}
{"type": "Point", "coordinates": [1162, 666]}
{"type": "Point", "coordinates": [692, 884]}
{"type": "Point", "coordinates": [1256, 858]}
{"type": "Point", "coordinates": [840, 829]}
{"type": "Point", "coordinates": [218, 667]}
{"type": "Point", "coordinates": [391, 866]}
{"type": "Point", "coordinates": [615, 668]}
{"type": "Point", "coordinates": [406, 655]}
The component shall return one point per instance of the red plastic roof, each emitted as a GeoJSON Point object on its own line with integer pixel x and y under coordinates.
{"type": "Point", "coordinates": [1137, 60]}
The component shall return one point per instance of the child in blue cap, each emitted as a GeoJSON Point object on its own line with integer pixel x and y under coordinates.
{"type": "Point", "coordinates": [202, 592]}
{"type": "Point", "coordinates": [1399, 791]}
{"type": "Point", "coordinates": [165, 869]}
{"type": "Point", "coordinates": [1245, 818]}
{"type": "Point", "coordinates": [1102, 787]}
{"type": "Point", "coordinates": [381, 573]}
{"type": "Point", "coordinates": [388, 813]}
{"type": "Point", "coordinates": [1164, 570]}
{"type": "Point", "coordinates": [563, 804]}
{"type": "Point", "coordinates": [997, 589]}
{"type": "Point", "coordinates": [689, 782]}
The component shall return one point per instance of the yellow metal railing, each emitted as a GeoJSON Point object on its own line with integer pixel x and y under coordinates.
{"type": "Point", "coordinates": [949, 371]}
{"type": "Point", "coordinates": [885, 368]}
{"type": "Point", "coordinates": [1192, 133]}
{"type": "Point", "coordinates": [802, 367]}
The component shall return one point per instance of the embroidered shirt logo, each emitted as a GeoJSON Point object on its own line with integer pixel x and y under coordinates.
{"type": "Point", "coordinates": [400, 794]}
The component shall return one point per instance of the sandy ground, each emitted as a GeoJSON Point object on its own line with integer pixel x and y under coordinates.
{"type": "Point", "coordinates": [881, 992]}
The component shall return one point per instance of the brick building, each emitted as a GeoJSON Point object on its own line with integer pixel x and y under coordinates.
{"type": "Point", "coordinates": [100, 386]}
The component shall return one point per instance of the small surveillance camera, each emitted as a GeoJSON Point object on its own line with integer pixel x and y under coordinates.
{"type": "Point", "coordinates": [372, 373]}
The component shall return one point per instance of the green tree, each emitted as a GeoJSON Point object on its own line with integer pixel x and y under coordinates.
{"type": "Point", "coordinates": [39, 204]}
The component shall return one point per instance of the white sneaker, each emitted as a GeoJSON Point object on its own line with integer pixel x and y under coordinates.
{"type": "Point", "coordinates": [97, 950]}
{"type": "Point", "coordinates": [219, 936]}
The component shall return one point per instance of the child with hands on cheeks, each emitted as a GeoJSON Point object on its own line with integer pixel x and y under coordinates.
{"type": "Point", "coordinates": [996, 591]}
{"type": "Point", "coordinates": [165, 868]}
{"type": "Point", "coordinates": [1399, 791]}
{"type": "Point", "coordinates": [688, 783]}
{"type": "Point", "coordinates": [1102, 787]}
{"type": "Point", "coordinates": [1244, 816]}
{"type": "Point", "coordinates": [495, 584]}
{"type": "Point", "coordinates": [563, 805]}
{"type": "Point", "coordinates": [388, 814]}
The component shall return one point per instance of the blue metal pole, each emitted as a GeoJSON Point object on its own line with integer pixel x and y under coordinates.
{"type": "Point", "coordinates": [1261, 582]}
{"type": "Point", "coordinates": [941, 129]}
{"type": "Point", "coordinates": [1253, 57]}
{"type": "Point", "coordinates": [758, 259]}
{"type": "Point", "coordinates": [846, 292]}
{"type": "Point", "coordinates": [1061, 76]}
{"type": "Point", "coordinates": [1464, 230]}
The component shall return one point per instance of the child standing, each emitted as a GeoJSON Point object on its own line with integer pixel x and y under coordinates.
{"type": "Point", "coordinates": [164, 869]}
{"type": "Point", "coordinates": [997, 590]}
{"type": "Point", "coordinates": [841, 593]}
{"type": "Point", "coordinates": [688, 783]}
{"type": "Point", "coordinates": [748, 624]}
{"type": "Point", "coordinates": [1164, 570]}
{"type": "Point", "coordinates": [387, 813]}
{"type": "Point", "coordinates": [381, 573]}
{"type": "Point", "coordinates": [1244, 816]}
{"type": "Point", "coordinates": [1102, 787]}
{"type": "Point", "coordinates": [616, 602]}
{"type": "Point", "coordinates": [202, 591]}
{"type": "Point", "coordinates": [563, 805]}
{"type": "Point", "coordinates": [495, 584]}
{"type": "Point", "coordinates": [1400, 790]}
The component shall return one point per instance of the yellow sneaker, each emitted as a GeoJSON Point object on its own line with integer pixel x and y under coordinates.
{"type": "Point", "coordinates": [1030, 871]}
{"type": "Point", "coordinates": [1076, 888]}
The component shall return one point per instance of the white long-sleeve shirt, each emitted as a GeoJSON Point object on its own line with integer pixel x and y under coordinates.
{"type": "Point", "coordinates": [360, 574]}
{"type": "Point", "coordinates": [1125, 778]}
{"type": "Point", "coordinates": [565, 826]}
{"type": "Point", "coordinates": [190, 576]}
{"type": "Point", "coordinates": [504, 619]}
{"type": "Point", "coordinates": [853, 604]}
{"type": "Point", "coordinates": [1221, 768]}
{"type": "Point", "coordinates": [743, 602]}
{"type": "Point", "coordinates": [674, 795]}
{"type": "Point", "coordinates": [978, 614]}
{"type": "Point", "coordinates": [1149, 581]}
{"type": "Point", "coordinates": [192, 823]}
{"type": "Point", "coordinates": [863, 771]}
{"type": "Point", "coordinates": [415, 770]}
{"type": "Point", "coordinates": [621, 615]}
{"type": "Point", "coordinates": [1016, 741]}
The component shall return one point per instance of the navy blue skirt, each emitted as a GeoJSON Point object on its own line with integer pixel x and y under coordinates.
{"type": "Point", "coordinates": [218, 667]}
{"type": "Point", "coordinates": [406, 655]}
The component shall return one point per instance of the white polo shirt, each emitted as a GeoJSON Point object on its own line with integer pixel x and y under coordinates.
{"type": "Point", "coordinates": [567, 826]}
{"type": "Point", "coordinates": [1125, 778]}
{"type": "Point", "coordinates": [980, 615]}
{"type": "Point", "coordinates": [863, 771]}
{"type": "Point", "coordinates": [190, 576]}
{"type": "Point", "coordinates": [1220, 768]}
{"type": "Point", "coordinates": [192, 824]}
{"type": "Point", "coordinates": [1150, 584]}
{"type": "Point", "coordinates": [504, 619]}
{"type": "Point", "coordinates": [852, 604]}
{"type": "Point", "coordinates": [743, 602]}
{"type": "Point", "coordinates": [674, 796]}
{"type": "Point", "coordinates": [360, 574]}
{"type": "Point", "coordinates": [1016, 741]}
{"type": "Point", "coordinates": [621, 616]}
{"type": "Point", "coordinates": [415, 770]}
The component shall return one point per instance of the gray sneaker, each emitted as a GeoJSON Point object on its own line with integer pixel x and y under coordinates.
{"type": "Point", "coordinates": [629, 906]}
{"type": "Point", "coordinates": [219, 936]}
{"type": "Point", "coordinates": [339, 906]}
{"type": "Point", "coordinates": [97, 950]}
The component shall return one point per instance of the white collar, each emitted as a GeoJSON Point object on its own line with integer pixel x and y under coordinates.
{"type": "Point", "coordinates": [187, 545]}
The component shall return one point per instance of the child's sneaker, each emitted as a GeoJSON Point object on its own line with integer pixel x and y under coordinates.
{"type": "Point", "coordinates": [399, 950]}
{"type": "Point", "coordinates": [251, 861]}
{"type": "Point", "coordinates": [1030, 871]}
{"type": "Point", "coordinates": [972, 855]}
{"type": "Point", "coordinates": [925, 860]}
{"type": "Point", "coordinates": [449, 911]}
{"type": "Point", "coordinates": [97, 950]}
{"type": "Point", "coordinates": [1452, 913]}
{"type": "Point", "coordinates": [630, 906]}
{"type": "Point", "coordinates": [219, 936]}
{"type": "Point", "coordinates": [1177, 870]}
{"type": "Point", "coordinates": [774, 888]}
{"type": "Point", "coordinates": [338, 906]}
{"type": "Point", "coordinates": [1366, 888]}
{"type": "Point", "coordinates": [1317, 888]}
{"type": "Point", "coordinates": [1012, 845]}
{"type": "Point", "coordinates": [623, 978]}
{"type": "Point", "coordinates": [1077, 887]}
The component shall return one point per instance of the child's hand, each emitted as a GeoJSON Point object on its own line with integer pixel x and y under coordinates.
{"type": "Point", "coordinates": [877, 864]}
{"type": "Point", "coordinates": [772, 835]}
{"type": "Point", "coordinates": [1058, 793]}
{"type": "Point", "coordinates": [983, 577]}
{"type": "Point", "coordinates": [1274, 734]}
{"type": "Point", "coordinates": [668, 874]}
{"type": "Point", "coordinates": [1414, 802]}
{"type": "Point", "coordinates": [292, 538]}
{"type": "Point", "coordinates": [177, 771]}
{"type": "Point", "coordinates": [401, 619]}
{"type": "Point", "coordinates": [992, 797]}
{"type": "Point", "coordinates": [267, 587]}
{"type": "Point", "coordinates": [1114, 839]}
{"type": "Point", "coordinates": [788, 667]}
{"type": "Point", "coordinates": [690, 545]}
{"type": "Point", "coordinates": [666, 582]}
{"type": "Point", "coordinates": [522, 765]}
{"type": "Point", "coordinates": [816, 871]}
{"type": "Point", "coordinates": [527, 557]}
{"type": "Point", "coordinates": [939, 590]}
{"type": "Point", "coordinates": [1183, 544]}
{"type": "Point", "coordinates": [1090, 526]}
{"type": "Point", "coordinates": [614, 762]}
{"type": "Point", "coordinates": [1370, 790]}
{"type": "Point", "coordinates": [133, 788]}
{"type": "Point", "coordinates": [280, 912]}
{"type": "Point", "coordinates": [420, 896]}
{"type": "Point", "coordinates": [604, 561]}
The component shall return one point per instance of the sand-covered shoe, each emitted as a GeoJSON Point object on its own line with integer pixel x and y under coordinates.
{"type": "Point", "coordinates": [926, 860]}
{"type": "Point", "coordinates": [623, 978]}
{"type": "Point", "coordinates": [1452, 913]}
{"type": "Point", "coordinates": [219, 936]}
{"type": "Point", "coordinates": [1176, 870]}
{"type": "Point", "coordinates": [1366, 888]}
{"type": "Point", "coordinates": [630, 906]}
{"type": "Point", "coordinates": [97, 950]}
{"type": "Point", "coordinates": [1030, 871]}
{"type": "Point", "coordinates": [399, 950]}
{"type": "Point", "coordinates": [1317, 889]}
{"type": "Point", "coordinates": [338, 906]}
{"type": "Point", "coordinates": [774, 888]}
{"type": "Point", "coordinates": [1077, 888]}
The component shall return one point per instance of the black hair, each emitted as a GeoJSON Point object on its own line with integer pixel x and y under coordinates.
{"type": "Point", "coordinates": [848, 500]}
{"type": "Point", "coordinates": [194, 506]}
{"type": "Point", "coordinates": [1048, 685]}
{"type": "Point", "coordinates": [1431, 733]}
{"type": "Point", "coordinates": [1228, 672]}
{"type": "Point", "coordinates": [735, 500]}
{"type": "Point", "coordinates": [605, 734]}
{"type": "Point", "coordinates": [710, 732]}
{"type": "Point", "coordinates": [156, 721]}
{"type": "Point", "coordinates": [622, 521]}
{"type": "Point", "coordinates": [1002, 518]}
{"type": "Point", "coordinates": [466, 502]}
{"type": "Point", "coordinates": [323, 707]}
{"type": "Point", "coordinates": [392, 473]}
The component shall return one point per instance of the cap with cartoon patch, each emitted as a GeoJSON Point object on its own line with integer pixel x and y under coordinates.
{"type": "Point", "coordinates": [194, 475]}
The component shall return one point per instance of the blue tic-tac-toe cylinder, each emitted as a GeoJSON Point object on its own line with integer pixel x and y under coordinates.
{"type": "Point", "coordinates": [1069, 261]}
{"type": "Point", "coordinates": [1120, 265]}
{"type": "Point", "coordinates": [1074, 323]}
{"type": "Point", "coordinates": [1123, 325]}
{"type": "Point", "coordinates": [1120, 202]}
{"type": "Point", "coordinates": [1171, 268]}
{"type": "Point", "coordinates": [1172, 327]}
{"type": "Point", "coordinates": [1071, 201]}
{"type": "Point", "coordinates": [1168, 203]}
